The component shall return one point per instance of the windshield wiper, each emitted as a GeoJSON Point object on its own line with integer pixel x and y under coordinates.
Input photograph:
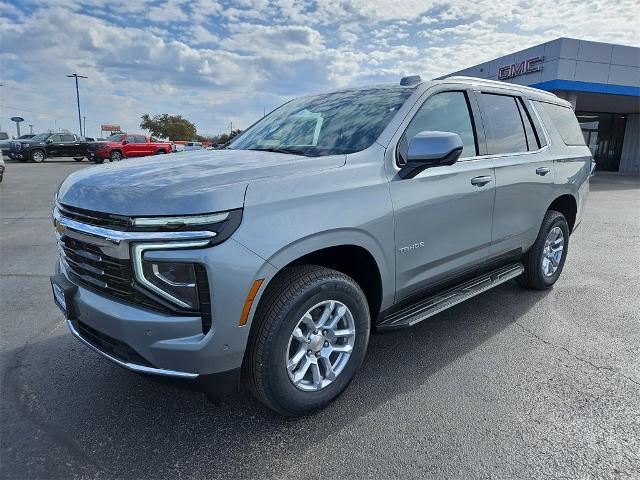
{"type": "Point", "coordinates": [291, 151]}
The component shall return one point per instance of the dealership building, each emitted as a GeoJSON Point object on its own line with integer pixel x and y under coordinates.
{"type": "Point", "coordinates": [602, 82]}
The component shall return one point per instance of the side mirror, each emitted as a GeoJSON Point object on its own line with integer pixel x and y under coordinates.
{"type": "Point", "coordinates": [124, 142]}
{"type": "Point", "coordinates": [431, 149]}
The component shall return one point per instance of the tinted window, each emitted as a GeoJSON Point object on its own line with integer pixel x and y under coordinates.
{"type": "Point", "coordinates": [502, 119]}
{"type": "Point", "coordinates": [68, 138]}
{"type": "Point", "coordinates": [329, 124]}
{"type": "Point", "coordinates": [115, 138]}
{"type": "Point", "coordinates": [532, 141]}
{"type": "Point", "coordinates": [444, 112]}
{"type": "Point", "coordinates": [565, 122]}
{"type": "Point", "coordinates": [4, 136]}
{"type": "Point", "coordinates": [140, 139]}
{"type": "Point", "coordinates": [56, 138]}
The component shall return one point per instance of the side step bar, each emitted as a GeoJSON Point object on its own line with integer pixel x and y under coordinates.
{"type": "Point", "coordinates": [427, 307]}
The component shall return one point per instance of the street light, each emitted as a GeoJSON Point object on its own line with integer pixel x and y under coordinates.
{"type": "Point", "coordinates": [76, 76]}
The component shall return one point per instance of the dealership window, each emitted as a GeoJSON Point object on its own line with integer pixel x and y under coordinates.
{"type": "Point", "coordinates": [604, 134]}
{"type": "Point", "coordinates": [506, 130]}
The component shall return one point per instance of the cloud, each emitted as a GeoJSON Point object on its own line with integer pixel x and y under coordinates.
{"type": "Point", "coordinates": [215, 62]}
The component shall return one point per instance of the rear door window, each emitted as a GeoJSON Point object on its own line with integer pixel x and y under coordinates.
{"type": "Point", "coordinates": [565, 122]}
{"type": "Point", "coordinates": [504, 124]}
{"type": "Point", "coordinates": [68, 138]}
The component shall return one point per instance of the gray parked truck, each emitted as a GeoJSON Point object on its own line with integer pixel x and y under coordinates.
{"type": "Point", "coordinates": [268, 263]}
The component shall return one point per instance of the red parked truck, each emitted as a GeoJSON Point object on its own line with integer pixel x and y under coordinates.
{"type": "Point", "coordinates": [126, 145]}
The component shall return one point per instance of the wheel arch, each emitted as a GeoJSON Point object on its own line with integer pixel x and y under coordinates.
{"type": "Point", "coordinates": [35, 149]}
{"type": "Point", "coordinates": [568, 206]}
{"type": "Point", "coordinates": [354, 254]}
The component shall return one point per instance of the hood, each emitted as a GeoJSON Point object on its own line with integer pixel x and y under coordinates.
{"type": "Point", "coordinates": [185, 183]}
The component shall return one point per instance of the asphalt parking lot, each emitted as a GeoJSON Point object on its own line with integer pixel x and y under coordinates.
{"type": "Point", "coordinates": [511, 384]}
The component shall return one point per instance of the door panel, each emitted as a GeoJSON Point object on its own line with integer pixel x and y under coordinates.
{"type": "Point", "coordinates": [523, 171]}
{"type": "Point", "coordinates": [521, 200]}
{"type": "Point", "coordinates": [443, 215]}
{"type": "Point", "coordinates": [130, 149]}
{"type": "Point", "coordinates": [443, 223]}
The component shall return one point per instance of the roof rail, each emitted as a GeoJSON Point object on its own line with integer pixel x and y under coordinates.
{"type": "Point", "coordinates": [496, 83]}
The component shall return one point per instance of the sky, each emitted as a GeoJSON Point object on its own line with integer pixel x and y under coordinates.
{"type": "Point", "coordinates": [218, 62]}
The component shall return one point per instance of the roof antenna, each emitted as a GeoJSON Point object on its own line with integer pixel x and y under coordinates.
{"type": "Point", "coordinates": [410, 80]}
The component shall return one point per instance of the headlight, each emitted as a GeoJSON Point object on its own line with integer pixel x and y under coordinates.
{"type": "Point", "coordinates": [173, 281]}
{"type": "Point", "coordinates": [185, 220]}
{"type": "Point", "coordinates": [24, 145]}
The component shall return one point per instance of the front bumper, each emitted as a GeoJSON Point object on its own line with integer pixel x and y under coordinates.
{"type": "Point", "coordinates": [91, 154]}
{"type": "Point", "coordinates": [173, 345]}
{"type": "Point", "coordinates": [135, 367]}
{"type": "Point", "coordinates": [16, 155]}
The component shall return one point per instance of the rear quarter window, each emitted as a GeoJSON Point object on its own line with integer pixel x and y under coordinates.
{"type": "Point", "coordinates": [565, 122]}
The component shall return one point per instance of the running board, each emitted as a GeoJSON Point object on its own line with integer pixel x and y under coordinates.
{"type": "Point", "coordinates": [427, 307]}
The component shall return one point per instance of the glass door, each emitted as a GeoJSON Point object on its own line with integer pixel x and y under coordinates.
{"type": "Point", "coordinates": [603, 134]}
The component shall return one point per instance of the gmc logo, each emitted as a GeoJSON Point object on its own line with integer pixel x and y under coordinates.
{"type": "Point", "coordinates": [533, 64]}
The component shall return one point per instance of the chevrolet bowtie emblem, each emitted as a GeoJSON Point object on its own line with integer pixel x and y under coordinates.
{"type": "Point", "coordinates": [60, 228]}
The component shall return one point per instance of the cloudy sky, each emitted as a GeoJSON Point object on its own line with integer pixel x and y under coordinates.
{"type": "Point", "coordinates": [218, 61]}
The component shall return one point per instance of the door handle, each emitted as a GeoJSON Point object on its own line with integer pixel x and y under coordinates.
{"type": "Point", "coordinates": [481, 181]}
{"type": "Point", "coordinates": [542, 171]}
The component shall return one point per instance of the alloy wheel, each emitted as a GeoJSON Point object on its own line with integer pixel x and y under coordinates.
{"type": "Point", "coordinates": [552, 252]}
{"type": "Point", "coordinates": [38, 156]}
{"type": "Point", "coordinates": [320, 345]}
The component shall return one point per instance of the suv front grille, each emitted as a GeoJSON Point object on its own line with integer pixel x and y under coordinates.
{"type": "Point", "coordinates": [91, 217]}
{"type": "Point", "coordinates": [87, 265]}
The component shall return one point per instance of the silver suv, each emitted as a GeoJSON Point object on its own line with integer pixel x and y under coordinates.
{"type": "Point", "coordinates": [269, 263]}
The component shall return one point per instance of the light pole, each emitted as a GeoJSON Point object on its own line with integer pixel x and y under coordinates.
{"type": "Point", "coordinates": [76, 76]}
{"type": "Point", "coordinates": [31, 129]}
{"type": "Point", "coordinates": [84, 128]}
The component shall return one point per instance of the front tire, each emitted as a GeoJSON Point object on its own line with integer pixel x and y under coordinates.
{"type": "Point", "coordinates": [37, 156]}
{"type": "Point", "coordinates": [310, 335]}
{"type": "Point", "coordinates": [115, 156]}
{"type": "Point", "coordinates": [544, 262]}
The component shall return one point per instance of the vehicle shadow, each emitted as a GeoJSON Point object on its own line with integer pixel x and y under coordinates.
{"type": "Point", "coordinates": [101, 420]}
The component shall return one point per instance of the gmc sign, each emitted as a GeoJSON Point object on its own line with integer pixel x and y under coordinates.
{"type": "Point", "coordinates": [533, 64]}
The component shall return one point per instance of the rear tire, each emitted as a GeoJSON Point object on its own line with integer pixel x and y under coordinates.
{"type": "Point", "coordinates": [78, 159]}
{"type": "Point", "coordinates": [291, 313]}
{"type": "Point", "coordinates": [98, 160]}
{"type": "Point", "coordinates": [544, 262]}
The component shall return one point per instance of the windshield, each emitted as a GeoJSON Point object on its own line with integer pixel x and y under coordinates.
{"type": "Point", "coordinates": [329, 124]}
{"type": "Point", "coordinates": [115, 138]}
{"type": "Point", "coordinates": [41, 137]}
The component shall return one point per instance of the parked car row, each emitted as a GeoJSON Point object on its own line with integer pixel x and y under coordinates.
{"type": "Point", "coordinates": [116, 147]}
{"type": "Point", "coordinates": [120, 146]}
